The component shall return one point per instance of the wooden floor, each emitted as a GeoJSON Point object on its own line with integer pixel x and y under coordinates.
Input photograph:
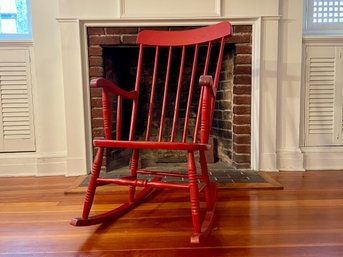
{"type": "Point", "coordinates": [303, 219]}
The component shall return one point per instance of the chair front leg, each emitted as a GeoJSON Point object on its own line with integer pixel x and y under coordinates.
{"type": "Point", "coordinates": [204, 174]}
{"type": "Point", "coordinates": [92, 183]}
{"type": "Point", "coordinates": [194, 193]}
{"type": "Point", "coordinates": [133, 173]}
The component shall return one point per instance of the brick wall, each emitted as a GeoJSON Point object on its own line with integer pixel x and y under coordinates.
{"type": "Point", "coordinates": [241, 140]}
{"type": "Point", "coordinates": [231, 125]}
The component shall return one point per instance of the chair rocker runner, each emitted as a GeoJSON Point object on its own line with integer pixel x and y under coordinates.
{"type": "Point", "coordinates": [208, 41]}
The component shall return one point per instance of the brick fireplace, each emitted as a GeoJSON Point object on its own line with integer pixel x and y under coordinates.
{"type": "Point", "coordinates": [112, 51]}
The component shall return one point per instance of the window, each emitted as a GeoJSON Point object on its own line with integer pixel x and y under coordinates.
{"type": "Point", "coordinates": [15, 20]}
{"type": "Point", "coordinates": [324, 17]}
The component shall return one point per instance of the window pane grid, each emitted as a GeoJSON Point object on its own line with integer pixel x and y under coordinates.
{"type": "Point", "coordinates": [15, 19]}
{"type": "Point", "coordinates": [329, 11]}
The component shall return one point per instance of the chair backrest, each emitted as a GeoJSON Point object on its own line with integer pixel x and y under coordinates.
{"type": "Point", "coordinates": [173, 107]}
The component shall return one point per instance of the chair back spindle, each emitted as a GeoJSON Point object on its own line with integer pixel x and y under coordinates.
{"type": "Point", "coordinates": [135, 101]}
{"type": "Point", "coordinates": [165, 95]}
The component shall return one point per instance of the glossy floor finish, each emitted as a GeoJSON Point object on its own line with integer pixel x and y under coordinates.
{"type": "Point", "coordinates": [303, 219]}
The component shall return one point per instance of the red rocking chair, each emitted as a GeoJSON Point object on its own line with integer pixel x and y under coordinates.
{"type": "Point", "coordinates": [197, 41]}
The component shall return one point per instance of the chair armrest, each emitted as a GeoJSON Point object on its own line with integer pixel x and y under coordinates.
{"type": "Point", "coordinates": [112, 87]}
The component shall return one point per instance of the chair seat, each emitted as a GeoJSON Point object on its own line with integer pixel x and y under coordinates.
{"type": "Point", "coordinates": [151, 145]}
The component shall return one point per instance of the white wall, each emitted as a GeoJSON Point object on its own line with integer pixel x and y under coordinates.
{"type": "Point", "coordinates": [61, 74]}
{"type": "Point", "coordinates": [48, 88]}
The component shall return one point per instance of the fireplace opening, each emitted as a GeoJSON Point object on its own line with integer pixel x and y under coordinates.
{"type": "Point", "coordinates": [113, 55]}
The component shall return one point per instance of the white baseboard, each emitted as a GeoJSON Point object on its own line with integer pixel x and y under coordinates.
{"type": "Point", "coordinates": [290, 160]}
{"type": "Point", "coordinates": [268, 162]}
{"type": "Point", "coordinates": [323, 158]}
{"type": "Point", "coordinates": [33, 164]}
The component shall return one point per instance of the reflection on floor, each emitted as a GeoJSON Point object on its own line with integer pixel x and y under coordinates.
{"type": "Point", "coordinates": [219, 172]}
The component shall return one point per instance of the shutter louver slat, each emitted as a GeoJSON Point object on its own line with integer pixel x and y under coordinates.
{"type": "Point", "coordinates": [321, 96]}
{"type": "Point", "coordinates": [11, 92]}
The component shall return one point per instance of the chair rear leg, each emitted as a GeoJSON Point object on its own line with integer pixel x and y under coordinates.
{"type": "Point", "coordinates": [92, 183]}
{"type": "Point", "coordinates": [133, 173]}
{"type": "Point", "coordinates": [194, 193]}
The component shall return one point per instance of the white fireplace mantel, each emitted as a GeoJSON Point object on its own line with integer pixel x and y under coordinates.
{"type": "Point", "coordinates": [74, 52]}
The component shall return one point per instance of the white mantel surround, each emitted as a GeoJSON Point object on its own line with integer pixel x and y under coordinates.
{"type": "Point", "coordinates": [125, 22]}
{"type": "Point", "coordinates": [60, 63]}
{"type": "Point", "coordinates": [264, 16]}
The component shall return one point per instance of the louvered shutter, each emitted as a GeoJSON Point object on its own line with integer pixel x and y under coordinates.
{"type": "Point", "coordinates": [323, 105]}
{"type": "Point", "coordinates": [16, 116]}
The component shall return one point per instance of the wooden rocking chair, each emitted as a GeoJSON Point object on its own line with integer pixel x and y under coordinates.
{"type": "Point", "coordinates": [198, 41]}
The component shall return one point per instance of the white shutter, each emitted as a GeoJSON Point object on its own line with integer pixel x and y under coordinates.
{"type": "Point", "coordinates": [323, 105]}
{"type": "Point", "coordinates": [339, 96]}
{"type": "Point", "coordinates": [16, 116]}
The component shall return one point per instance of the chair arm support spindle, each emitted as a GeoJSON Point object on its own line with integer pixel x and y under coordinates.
{"type": "Point", "coordinates": [209, 93]}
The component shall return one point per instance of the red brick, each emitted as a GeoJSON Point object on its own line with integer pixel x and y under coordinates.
{"type": "Point", "coordinates": [243, 49]}
{"type": "Point", "coordinates": [96, 31]}
{"type": "Point", "coordinates": [95, 61]}
{"type": "Point", "coordinates": [104, 40]}
{"type": "Point", "coordinates": [96, 92]}
{"type": "Point", "coordinates": [96, 102]}
{"type": "Point", "coordinates": [95, 50]}
{"type": "Point", "coordinates": [241, 139]}
{"type": "Point", "coordinates": [241, 148]}
{"type": "Point", "coordinates": [239, 38]}
{"type": "Point", "coordinates": [97, 113]}
{"type": "Point", "coordinates": [242, 89]}
{"type": "Point", "coordinates": [242, 119]}
{"type": "Point", "coordinates": [242, 109]}
{"type": "Point", "coordinates": [241, 158]}
{"type": "Point", "coordinates": [242, 29]}
{"type": "Point", "coordinates": [243, 69]}
{"type": "Point", "coordinates": [242, 79]}
{"type": "Point", "coordinates": [98, 132]}
{"type": "Point", "coordinates": [96, 71]}
{"type": "Point", "coordinates": [97, 122]}
{"type": "Point", "coordinates": [242, 99]}
{"type": "Point", "coordinates": [122, 30]}
{"type": "Point", "coordinates": [243, 129]}
{"type": "Point", "coordinates": [128, 39]}
{"type": "Point", "coordinates": [243, 59]}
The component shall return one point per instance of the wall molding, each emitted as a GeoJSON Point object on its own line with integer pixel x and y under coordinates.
{"type": "Point", "coordinates": [177, 8]}
{"type": "Point", "coordinates": [323, 158]}
{"type": "Point", "coordinates": [32, 164]}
